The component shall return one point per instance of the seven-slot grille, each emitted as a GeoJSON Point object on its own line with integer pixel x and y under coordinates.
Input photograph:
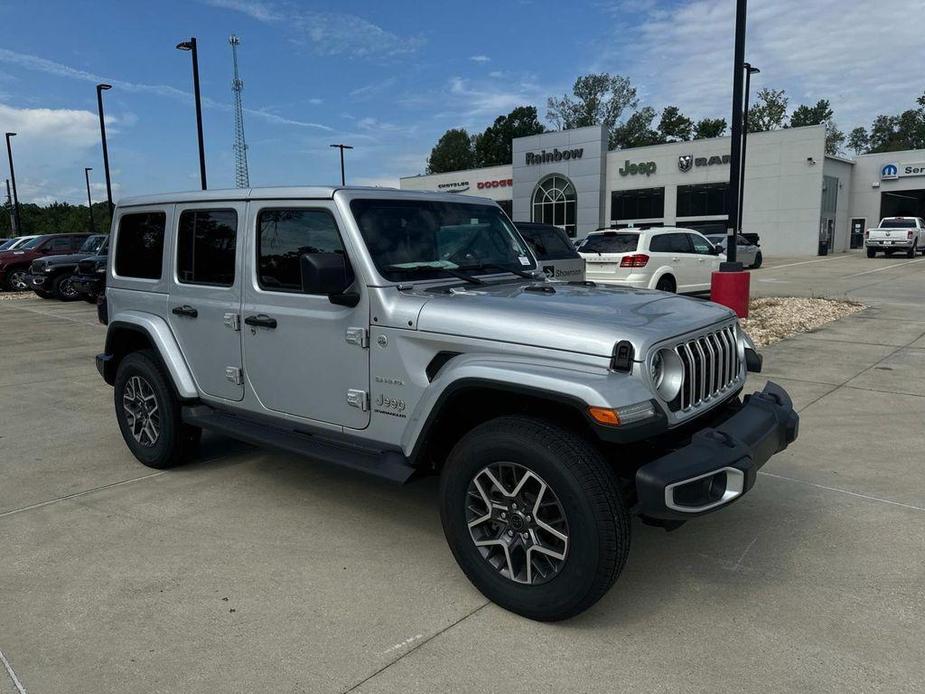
{"type": "Point", "coordinates": [711, 364]}
{"type": "Point", "coordinates": [86, 267]}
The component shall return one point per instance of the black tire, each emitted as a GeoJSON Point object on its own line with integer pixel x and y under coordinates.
{"type": "Point", "coordinates": [175, 440]}
{"type": "Point", "coordinates": [666, 283]}
{"type": "Point", "coordinates": [871, 252]}
{"type": "Point", "coordinates": [62, 288]}
{"type": "Point", "coordinates": [912, 251]}
{"type": "Point", "coordinates": [598, 523]}
{"type": "Point", "coordinates": [758, 260]}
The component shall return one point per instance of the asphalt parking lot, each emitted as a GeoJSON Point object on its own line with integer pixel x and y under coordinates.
{"type": "Point", "coordinates": [250, 570]}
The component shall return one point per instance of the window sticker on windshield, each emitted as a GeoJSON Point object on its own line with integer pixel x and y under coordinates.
{"type": "Point", "coordinates": [473, 221]}
{"type": "Point", "coordinates": [524, 260]}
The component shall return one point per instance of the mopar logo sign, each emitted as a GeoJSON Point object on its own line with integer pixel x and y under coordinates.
{"type": "Point", "coordinates": [889, 171]}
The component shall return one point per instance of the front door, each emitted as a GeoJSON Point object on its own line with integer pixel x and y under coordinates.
{"type": "Point", "coordinates": [205, 295]}
{"type": "Point", "coordinates": [296, 354]}
{"type": "Point", "coordinates": [703, 262]}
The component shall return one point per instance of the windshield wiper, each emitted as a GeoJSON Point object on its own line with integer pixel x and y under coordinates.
{"type": "Point", "coordinates": [502, 268]}
{"type": "Point", "coordinates": [427, 268]}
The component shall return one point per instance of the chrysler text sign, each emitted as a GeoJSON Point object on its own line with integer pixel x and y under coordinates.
{"type": "Point", "coordinates": [556, 155]}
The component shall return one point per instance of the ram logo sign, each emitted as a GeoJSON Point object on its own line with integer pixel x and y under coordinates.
{"type": "Point", "coordinates": [889, 171]}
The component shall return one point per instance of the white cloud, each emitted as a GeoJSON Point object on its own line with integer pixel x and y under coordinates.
{"type": "Point", "coordinates": [476, 101]}
{"type": "Point", "coordinates": [480, 59]}
{"type": "Point", "coordinates": [316, 101]}
{"type": "Point", "coordinates": [857, 56]}
{"type": "Point", "coordinates": [368, 91]}
{"type": "Point", "coordinates": [327, 33]}
{"type": "Point", "coordinates": [51, 147]}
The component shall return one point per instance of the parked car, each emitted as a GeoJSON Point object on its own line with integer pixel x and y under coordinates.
{"type": "Point", "coordinates": [15, 242]}
{"type": "Point", "coordinates": [893, 234]}
{"type": "Point", "coordinates": [747, 253]}
{"type": "Point", "coordinates": [395, 332]}
{"type": "Point", "coordinates": [671, 259]}
{"type": "Point", "coordinates": [51, 277]}
{"type": "Point", "coordinates": [14, 264]}
{"type": "Point", "coordinates": [554, 250]}
{"type": "Point", "coordinates": [89, 279]}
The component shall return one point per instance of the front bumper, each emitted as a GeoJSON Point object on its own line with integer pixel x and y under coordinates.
{"type": "Point", "coordinates": [88, 285]}
{"type": "Point", "coordinates": [720, 463]}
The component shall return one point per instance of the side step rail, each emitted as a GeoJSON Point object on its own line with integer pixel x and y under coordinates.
{"type": "Point", "coordinates": [387, 465]}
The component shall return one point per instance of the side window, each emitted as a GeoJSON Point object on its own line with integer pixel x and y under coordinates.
{"type": "Point", "coordinates": [680, 243]}
{"type": "Point", "coordinates": [660, 243]}
{"type": "Point", "coordinates": [700, 244]}
{"type": "Point", "coordinates": [61, 245]}
{"type": "Point", "coordinates": [206, 242]}
{"type": "Point", "coordinates": [283, 236]}
{"type": "Point", "coordinates": [140, 245]}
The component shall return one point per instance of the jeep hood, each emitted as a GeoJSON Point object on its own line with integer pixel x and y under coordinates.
{"type": "Point", "coordinates": [71, 259]}
{"type": "Point", "coordinates": [587, 320]}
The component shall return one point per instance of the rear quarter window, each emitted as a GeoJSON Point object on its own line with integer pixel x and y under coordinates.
{"type": "Point", "coordinates": [610, 243]}
{"type": "Point", "coordinates": [140, 245]}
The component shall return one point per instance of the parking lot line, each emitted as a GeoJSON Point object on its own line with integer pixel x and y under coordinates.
{"type": "Point", "coordinates": [881, 269]}
{"type": "Point", "coordinates": [842, 491]}
{"type": "Point", "coordinates": [9, 669]}
{"type": "Point", "coordinates": [807, 262]}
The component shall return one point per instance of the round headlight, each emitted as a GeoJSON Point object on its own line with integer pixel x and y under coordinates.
{"type": "Point", "coordinates": [667, 374]}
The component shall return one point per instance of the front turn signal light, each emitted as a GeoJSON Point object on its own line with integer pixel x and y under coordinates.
{"type": "Point", "coordinates": [604, 415]}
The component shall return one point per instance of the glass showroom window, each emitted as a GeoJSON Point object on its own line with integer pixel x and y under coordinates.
{"type": "Point", "coordinates": [554, 203]}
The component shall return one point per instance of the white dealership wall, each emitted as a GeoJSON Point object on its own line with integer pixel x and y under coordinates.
{"type": "Point", "coordinates": [867, 184]}
{"type": "Point", "coordinates": [783, 181]}
{"type": "Point", "coordinates": [782, 188]}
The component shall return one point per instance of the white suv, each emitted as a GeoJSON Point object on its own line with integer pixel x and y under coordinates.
{"type": "Point", "coordinates": [671, 259]}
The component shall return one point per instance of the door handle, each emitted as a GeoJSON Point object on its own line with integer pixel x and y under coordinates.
{"type": "Point", "coordinates": [184, 310]}
{"type": "Point", "coordinates": [676, 259]}
{"type": "Point", "coordinates": [261, 321]}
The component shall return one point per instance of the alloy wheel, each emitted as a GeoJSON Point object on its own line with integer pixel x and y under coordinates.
{"type": "Point", "coordinates": [517, 523]}
{"type": "Point", "coordinates": [18, 281]}
{"type": "Point", "coordinates": [141, 410]}
{"type": "Point", "coordinates": [66, 288]}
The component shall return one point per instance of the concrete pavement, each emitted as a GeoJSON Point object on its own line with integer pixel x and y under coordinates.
{"type": "Point", "coordinates": [253, 570]}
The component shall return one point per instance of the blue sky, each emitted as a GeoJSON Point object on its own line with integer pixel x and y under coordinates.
{"type": "Point", "coordinates": [390, 77]}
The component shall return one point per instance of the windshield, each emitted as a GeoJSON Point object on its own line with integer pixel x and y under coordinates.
{"type": "Point", "coordinates": [30, 244]}
{"type": "Point", "coordinates": [548, 243]}
{"type": "Point", "coordinates": [6, 244]}
{"type": "Point", "coordinates": [427, 239]}
{"type": "Point", "coordinates": [609, 243]}
{"type": "Point", "coordinates": [92, 244]}
{"type": "Point", "coordinates": [898, 224]}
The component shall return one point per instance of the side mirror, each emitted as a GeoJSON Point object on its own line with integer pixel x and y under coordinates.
{"type": "Point", "coordinates": [328, 274]}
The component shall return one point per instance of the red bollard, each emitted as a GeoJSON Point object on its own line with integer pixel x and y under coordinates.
{"type": "Point", "coordinates": [731, 289]}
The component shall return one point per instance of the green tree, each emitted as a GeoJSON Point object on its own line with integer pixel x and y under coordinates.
{"type": "Point", "coordinates": [596, 99]}
{"type": "Point", "coordinates": [709, 127]}
{"type": "Point", "coordinates": [637, 131]}
{"type": "Point", "coordinates": [769, 111]}
{"type": "Point", "coordinates": [453, 152]}
{"type": "Point", "coordinates": [493, 147]}
{"type": "Point", "coordinates": [858, 140]}
{"type": "Point", "coordinates": [674, 126]}
{"type": "Point", "coordinates": [56, 218]}
{"type": "Point", "coordinates": [894, 133]}
{"type": "Point", "coordinates": [820, 114]}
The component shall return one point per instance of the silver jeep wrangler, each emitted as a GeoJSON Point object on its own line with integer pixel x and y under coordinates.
{"type": "Point", "coordinates": [398, 333]}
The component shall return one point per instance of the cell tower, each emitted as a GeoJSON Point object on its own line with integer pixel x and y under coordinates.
{"type": "Point", "coordinates": [241, 179]}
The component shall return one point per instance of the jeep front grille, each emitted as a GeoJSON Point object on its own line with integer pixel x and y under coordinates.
{"type": "Point", "coordinates": [86, 267]}
{"type": "Point", "coordinates": [711, 365]}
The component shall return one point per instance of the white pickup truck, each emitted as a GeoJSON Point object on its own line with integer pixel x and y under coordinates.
{"type": "Point", "coordinates": [896, 234]}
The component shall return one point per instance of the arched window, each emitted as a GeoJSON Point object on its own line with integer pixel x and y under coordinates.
{"type": "Point", "coordinates": [554, 203]}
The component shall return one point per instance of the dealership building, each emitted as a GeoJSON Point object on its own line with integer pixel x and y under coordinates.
{"type": "Point", "coordinates": [798, 199]}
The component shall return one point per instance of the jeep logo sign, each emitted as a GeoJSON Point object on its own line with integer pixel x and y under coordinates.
{"type": "Point", "coordinates": [645, 167]}
{"type": "Point", "coordinates": [555, 155]}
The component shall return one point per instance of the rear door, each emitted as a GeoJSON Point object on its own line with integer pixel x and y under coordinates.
{"type": "Point", "coordinates": [702, 262]}
{"type": "Point", "coordinates": [670, 250]}
{"type": "Point", "coordinates": [205, 294]}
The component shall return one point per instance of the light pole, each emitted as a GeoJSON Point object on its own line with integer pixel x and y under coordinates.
{"type": "Point", "coordinates": [100, 88]}
{"type": "Point", "coordinates": [9, 201]}
{"type": "Point", "coordinates": [735, 163]}
{"type": "Point", "coordinates": [87, 171]}
{"type": "Point", "coordinates": [191, 47]}
{"type": "Point", "coordinates": [343, 180]}
{"type": "Point", "coordinates": [9, 153]}
{"type": "Point", "coordinates": [749, 71]}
